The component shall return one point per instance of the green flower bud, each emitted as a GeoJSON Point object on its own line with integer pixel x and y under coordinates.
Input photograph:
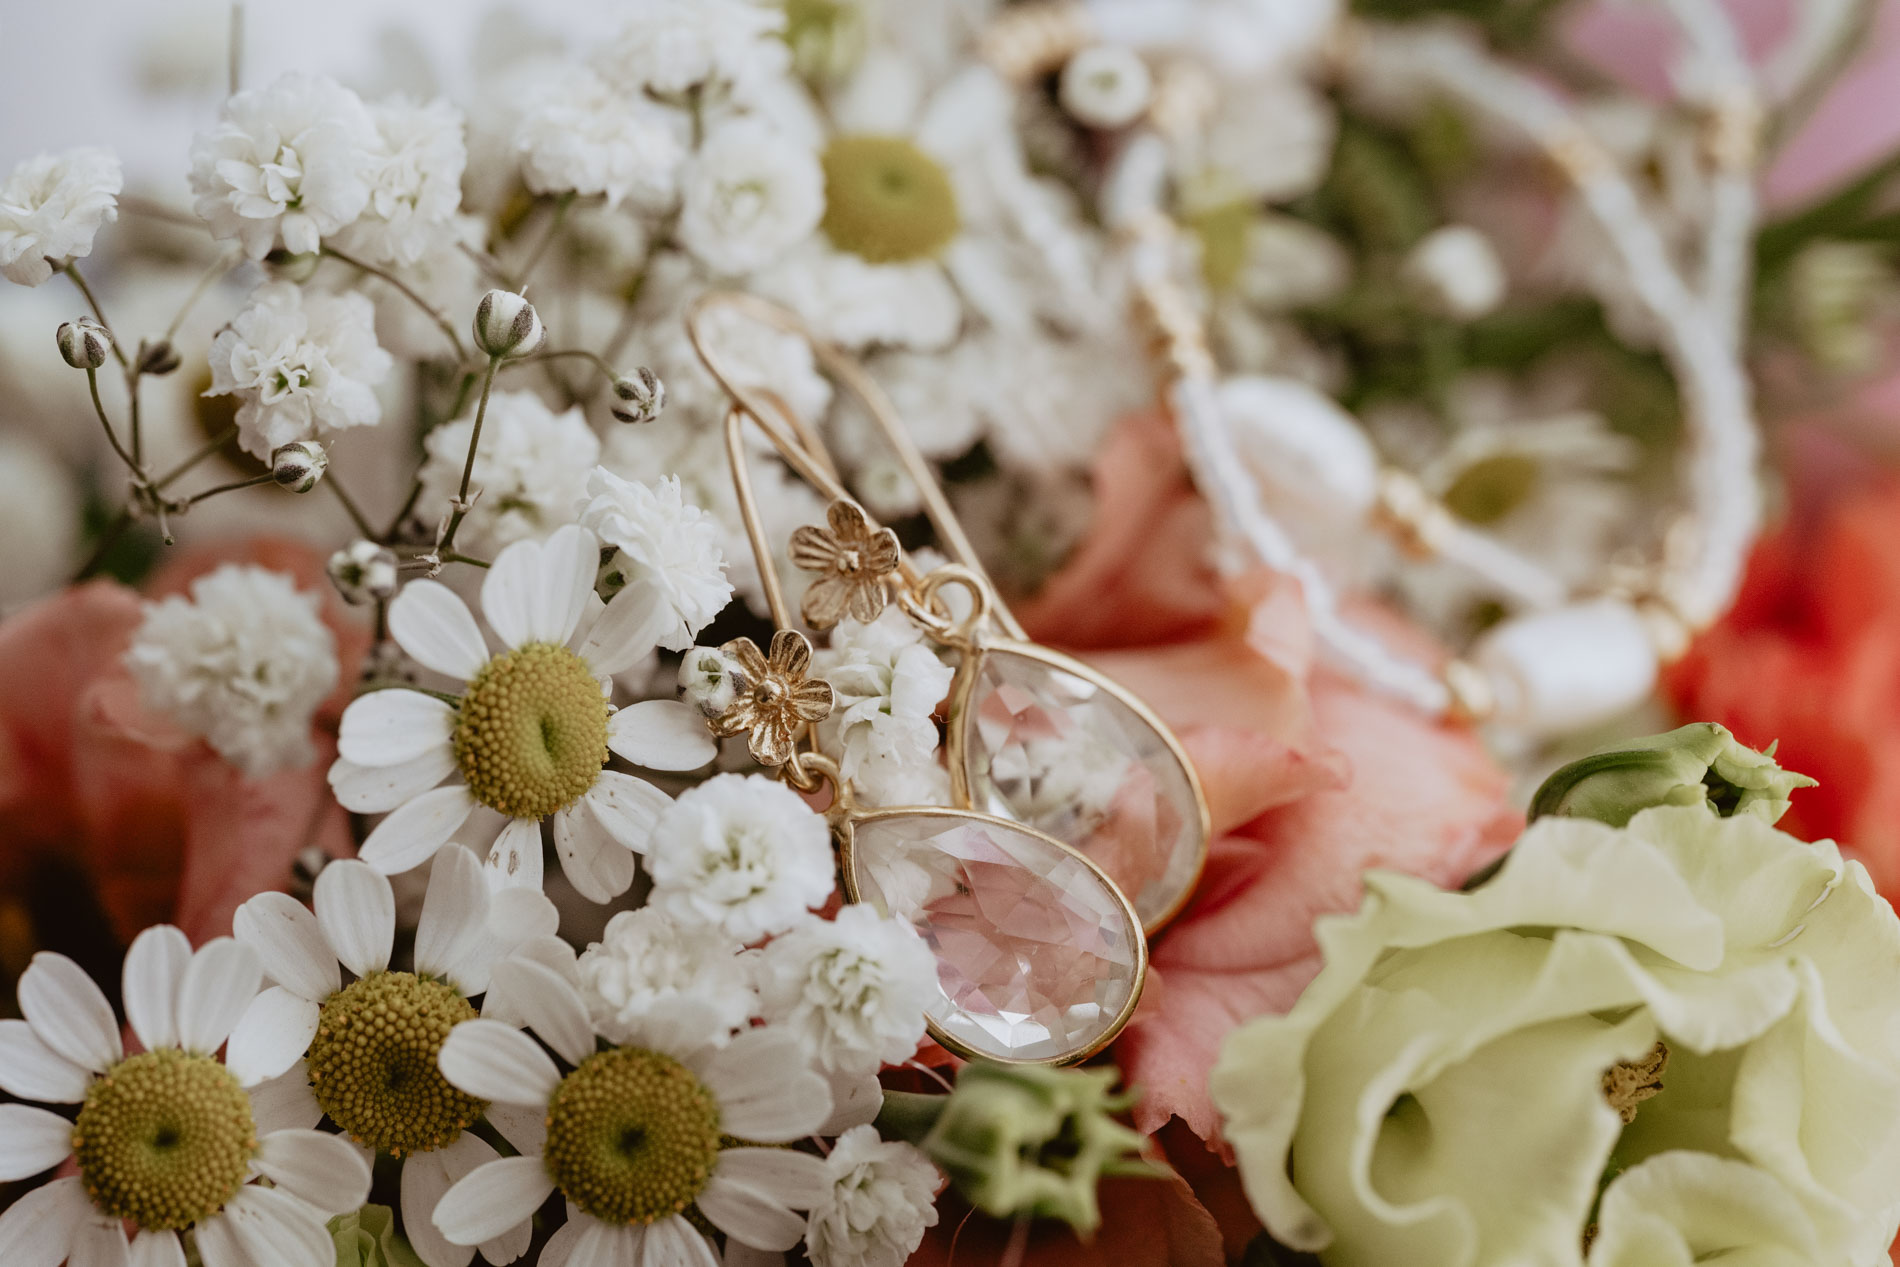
{"type": "Point", "coordinates": [1024, 1140]}
{"type": "Point", "coordinates": [1699, 764]}
{"type": "Point", "coordinates": [368, 1238]}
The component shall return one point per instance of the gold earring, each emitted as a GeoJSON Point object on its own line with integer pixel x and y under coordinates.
{"type": "Point", "coordinates": [1023, 719]}
{"type": "Point", "coordinates": [1040, 958]}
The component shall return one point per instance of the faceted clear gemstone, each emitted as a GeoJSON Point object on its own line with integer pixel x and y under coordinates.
{"type": "Point", "coordinates": [1060, 752]}
{"type": "Point", "coordinates": [1036, 955]}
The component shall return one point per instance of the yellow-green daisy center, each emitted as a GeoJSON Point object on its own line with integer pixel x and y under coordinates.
{"type": "Point", "coordinates": [632, 1136]}
{"type": "Point", "coordinates": [164, 1139]}
{"type": "Point", "coordinates": [372, 1063]}
{"type": "Point", "coordinates": [532, 735]}
{"type": "Point", "coordinates": [1492, 487]}
{"type": "Point", "coordinates": [887, 201]}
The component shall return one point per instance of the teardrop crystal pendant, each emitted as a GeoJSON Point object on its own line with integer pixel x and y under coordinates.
{"type": "Point", "coordinates": [1040, 959]}
{"type": "Point", "coordinates": [1045, 740]}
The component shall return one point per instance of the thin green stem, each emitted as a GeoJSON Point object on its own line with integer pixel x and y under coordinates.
{"type": "Point", "coordinates": [92, 381]}
{"type": "Point", "coordinates": [107, 539]}
{"type": "Point", "coordinates": [219, 267]}
{"type": "Point", "coordinates": [599, 362]}
{"type": "Point", "coordinates": [138, 435]}
{"type": "Point", "coordinates": [349, 504]}
{"type": "Point", "coordinates": [468, 464]}
{"type": "Point", "coordinates": [454, 557]}
{"type": "Point", "coordinates": [442, 323]}
{"type": "Point", "coordinates": [72, 270]}
{"type": "Point", "coordinates": [232, 487]}
{"type": "Point", "coordinates": [213, 446]}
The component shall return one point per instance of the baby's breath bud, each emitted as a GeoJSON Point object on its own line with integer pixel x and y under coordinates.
{"type": "Point", "coordinates": [157, 357]}
{"type": "Point", "coordinates": [299, 465]}
{"type": "Point", "coordinates": [288, 267]}
{"type": "Point", "coordinates": [710, 679]}
{"type": "Point", "coordinates": [1105, 86]}
{"type": "Point", "coordinates": [364, 572]}
{"type": "Point", "coordinates": [84, 343]}
{"type": "Point", "coordinates": [639, 396]}
{"type": "Point", "coordinates": [506, 324]}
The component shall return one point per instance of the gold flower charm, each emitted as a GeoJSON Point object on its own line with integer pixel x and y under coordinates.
{"type": "Point", "coordinates": [775, 696]}
{"type": "Point", "coordinates": [852, 562]}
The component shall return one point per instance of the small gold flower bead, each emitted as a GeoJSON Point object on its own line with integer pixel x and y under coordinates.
{"type": "Point", "coordinates": [777, 697]}
{"type": "Point", "coordinates": [852, 561]}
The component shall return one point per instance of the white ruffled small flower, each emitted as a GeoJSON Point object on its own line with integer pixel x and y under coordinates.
{"type": "Point", "coordinates": [286, 165]}
{"type": "Point", "coordinates": [244, 662]}
{"type": "Point", "coordinates": [671, 46]}
{"type": "Point", "coordinates": [666, 550]}
{"type": "Point", "coordinates": [649, 969]}
{"type": "Point", "coordinates": [853, 988]}
{"type": "Point", "coordinates": [414, 176]}
{"type": "Point", "coordinates": [742, 852]}
{"type": "Point", "coordinates": [579, 135]}
{"type": "Point", "coordinates": [303, 364]}
{"type": "Point", "coordinates": [1457, 271]}
{"type": "Point", "coordinates": [889, 683]}
{"type": "Point", "coordinates": [749, 195]}
{"type": "Point", "coordinates": [709, 679]}
{"type": "Point", "coordinates": [881, 1200]}
{"type": "Point", "coordinates": [532, 470]}
{"type": "Point", "coordinates": [50, 208]}
{"type": "Point", "coordinates": [1106, 86]}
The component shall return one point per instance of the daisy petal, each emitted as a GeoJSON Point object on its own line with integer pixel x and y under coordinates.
{"type": "Point", "coordinates": [599, 867]}
{"type": "Point", "coordinates": [627, 631]}
{"type": "Point", "coordinates": [156, 1249]}
{"type": "Point", "coordinates": [38, 1229]}
{"type": "Point", "coordinates": [285, 1103]}
{"type": "Point", "coordinates": [410, 836]}
{"type": "Point", "coordinates": [783, 1175]}
{"type": "Point", "coordinates": [492, 1199]}
{"type": "Point", "coordinates": [356, 908]}
{"type": "Point", "coordinates": [606, 1245]}
{"type": "Point", "coordinates": [278, 1230]}
{"type": "Point", "coordinates": [493, 1061]}
{"type": "Point", "coordinates": [677, 1243]}
{"type": "Point", "coordinates": [517, 915]}
{"type": "Point", "coordinates": [369, 789]}
{"type": "Point", "coordinates": [31, 1070]}
{"type": "Point", "coordinates": [515, 860]}
{"type": "Point", "coordinates": [560, 1245]}
{"type": "Point", "coordinates": [271, 1036]}
{"type": "Point", "coordinates": [289, 944]}
{"type": "Point", "coordinates": [154, 969]}
{"type": "Point", "coordinates": [765, 1088]}
{"type": "Point", "coordinates": [393, 726]}
{"type": "Point", "coordinates": [69, 1012]}
{"type": "Point", "coordinates": [323, 1170]}
{"type": "Point", "coordinates": [754, 1210]}
{"type": "Point", "coordinates": [626, 807]}
{"type": "Point", "coordinates": [454, 921]}
{"type": "Point", "coordinates": [536, 591]}
{"type": "Point", "coordinates": [99, 1242]}
{"type": "Point", "coordinates": [425, 1177]}
{"type": "Point", "coordinates": [523, 1125]}
{"type": "Point", "coordinates": [549, 1006]}
{"type": "Point", "coordinates": [32, 1140]}
{"type": "Point", "coordinates": [223, 978]}
{"type": "Point", "coordinates": [510, 1245]}
{"type": "Point", "coordinates": [429, 622]}
{"type": "Point", "coordinates": [217, 1243]}
{"type": "Point", "coordinates": [662, 734]}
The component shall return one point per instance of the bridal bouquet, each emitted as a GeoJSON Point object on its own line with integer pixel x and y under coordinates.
{"type": "Point", "coordinates": [529, 725]}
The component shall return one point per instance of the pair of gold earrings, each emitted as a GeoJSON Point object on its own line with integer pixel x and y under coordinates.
{"type": "Point", "coordinates": [1078, 826]}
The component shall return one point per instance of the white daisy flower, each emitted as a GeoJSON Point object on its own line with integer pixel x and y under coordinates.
{"type": "Point", "coordinates": [741, 852]}
{"type": "Point", "coordinates": [303, 366]}
{"type": "Point", "coordinates": [169, 1141]}
{"type": "Point", "coordinates": [648, 966]}
{"type": "Point", "coordinates": [368, 1049]}
{"type": "Point", "coordinates": [852, 988]}
{"type": "Point", "coordinates": [286, 165]}
{"type": "Point", "coordinates": [664, 545]}
{"type": "Point", "coordinates": [529, 736]}
{"type": "Point", "coordinates": [749, 194]}
{"type": "Point", "coordinates": [636, 1136]}
{"type": "Point", "coordinates": [532, 470]}
{"type": "Point", "coordinates": [51, 206]}
{"type": "Point", "coordinates": [244, 662]}
{"type": "Point", "coordinates": [414, 176]}
{"type": "Point", "coordinates": [880, 1200]}
{"type": "Point", "coordinates": [580, 135]}
{"type": "Point", "coordinates": [671, 46]}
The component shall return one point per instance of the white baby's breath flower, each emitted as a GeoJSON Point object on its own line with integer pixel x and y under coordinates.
{"type": "Point", "coordinates": [667, 551]}
{"type": "Point", "coordinates": [531, 468]}
{"type": "Point", "coordinates": [748, 196]}
{"type": "Point", "coordinates": [1106, 86]}
{"type": "Point", "coordinates": [888, 683]}
{"type": "Point", "coordinates": [1457, 272]}
{"type": "Point", "coordinates": [414, 176]}
{"type": "Point", "coordinates": [881, 1200]}
{"type": "Point", "coordinates": [50, 208]}
{"type": "Point", "coordinates": [285, 165]}
{"type": "Point", "coordinates": [670, 46]}
{"type": "Point", "coordinates": [853, 988]}
{"type": "Point", "coordinates": [579, 135]}
{"type": "Point", "coordinates": [742, 852]}
{"type": "Point", "coordinates": [303, 364]}
{"type": "Point", "coordinates": [244, 662]}
{"type": "Point", "coordinates": [649, 969]}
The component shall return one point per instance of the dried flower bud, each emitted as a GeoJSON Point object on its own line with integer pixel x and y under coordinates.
{"type": "Point", "coordinates": [1106, 86]}
{"type": "Point", "coordinates": [84, 343]}
{"type": "Point", "coordinates": [157, 357]}
{"type": "Point", "coordinates": [1024, 1141]}
{"type": "Point", "coordinates": [506, 324]}
{"type": "Point", "coordinates": [639, 396]}
{"type": "Point", "coordinates": [288, 267]}
{"type": "Point", "coordinates": [364, 572]}
{"type": "Point", "coordinates": [1698, 764]}
{"type": "Point", "coordinates": [710, 680]}
{"type": "Point", "coordinates": [1456, 271]}
{"type": "Point", "coordinates": [299, 465]}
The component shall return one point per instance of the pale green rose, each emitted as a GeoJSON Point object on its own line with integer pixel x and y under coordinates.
{"type": "Point", "coordinates": [1438, 1096]}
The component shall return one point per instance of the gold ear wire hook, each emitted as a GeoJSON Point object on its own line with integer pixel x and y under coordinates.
{"type": "Point", "coordinates": [800, 447]}
{"type": "Point", "coordinates": [749, 512]}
